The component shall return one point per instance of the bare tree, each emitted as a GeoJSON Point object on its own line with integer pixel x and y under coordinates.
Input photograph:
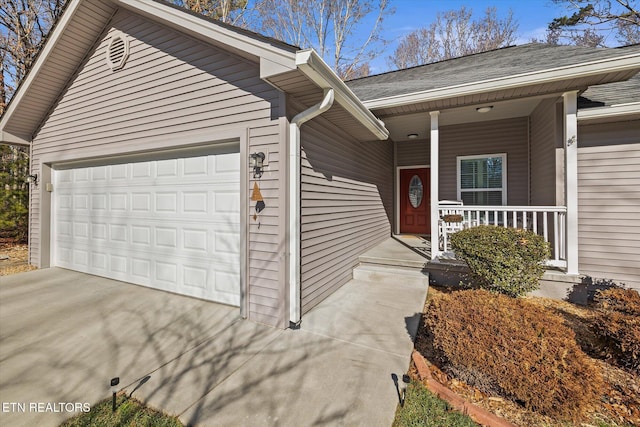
{"type": "Point", "coordinates": [228, 11]}
{"type": "Point", "coordinates": [454, 33]}
{"type": "Point", "coordinates": [591, 21]}
{"type": "Point", "coordinates": [330, 27]}
{"type": "Point", "coordinates": [25, 25]}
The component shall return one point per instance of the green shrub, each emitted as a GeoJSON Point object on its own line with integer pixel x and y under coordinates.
{"type": "Point", "coordinates": [514, 348]}
{"type": "Point", "coordinates": [507, 260]}
{"type": "Point", "coordinates": [617, 324]}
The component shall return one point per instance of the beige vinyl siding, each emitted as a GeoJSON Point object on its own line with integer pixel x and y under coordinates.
{"type": "Point", "coordinates": [543, 154]}
{"type": "Point", "coordinates": [609, 201]}
{"type": "Point", "coordinates": [267, 246]}
{"type": "Point", "coordinates": [346, 205]}
{"type": "Point", "coordinates": [176, 91]}
{"type": "Point", "coordinates": [500, 136]}
{"type": "Point", "coordinates": [412, 153]}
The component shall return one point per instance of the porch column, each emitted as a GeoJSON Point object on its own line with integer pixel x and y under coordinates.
{"type": "Point", "coordinates": [435, 198]}
{"type": "Point", "coordinates": [571, 178]}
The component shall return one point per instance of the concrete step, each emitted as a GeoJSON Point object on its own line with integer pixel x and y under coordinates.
{"type": "Point", "coordinates": [390, 275]}
{"type": "Point", "coordinates": [390, 261]}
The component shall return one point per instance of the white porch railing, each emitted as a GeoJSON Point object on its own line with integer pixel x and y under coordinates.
{"type": "Point", "coordinates": [546, 221]}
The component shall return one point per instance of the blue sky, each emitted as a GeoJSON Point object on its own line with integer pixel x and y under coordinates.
{"type": "Point", "coordinates": [532, 17]}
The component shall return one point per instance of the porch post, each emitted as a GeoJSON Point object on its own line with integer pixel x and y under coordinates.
{"type": "Point", "coordinates": [571, 178]}
{"type": "Point", "coordinates": [434, 168]}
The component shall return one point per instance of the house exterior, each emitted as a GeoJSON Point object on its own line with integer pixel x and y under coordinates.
{"type": "Point", "coordinates": [145, 124]}
{"type": "Point", "coordinates": [563, 132]}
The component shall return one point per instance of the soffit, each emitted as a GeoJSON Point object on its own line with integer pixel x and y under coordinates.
{"type": "Point", "coordinates": [484, 97]}
{"type": "Point", "coordinates": [306, 94]}
{"type": "Point", "coordinates": [56, 64]}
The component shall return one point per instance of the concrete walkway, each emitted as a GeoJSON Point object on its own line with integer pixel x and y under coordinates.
{"type": "Point", "coordinates": [63, 335]}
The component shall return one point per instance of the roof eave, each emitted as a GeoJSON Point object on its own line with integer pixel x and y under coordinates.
{"type": "Point", "coordinates": [312, 66]}
{"type": "Point", "coordinates": [32, 74]}
{"type": "Point", "coordinates": [604, 66]}
{"type": "Point", "coordinates": [10, 139]}
{"type": "Point", "coordinates": [201, 28]}
{"type": "Point", "coordinates": [621, 111]}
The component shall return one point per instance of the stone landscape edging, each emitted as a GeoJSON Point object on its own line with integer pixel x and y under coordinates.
{"type": "Point", "coordinates": [477, 413]}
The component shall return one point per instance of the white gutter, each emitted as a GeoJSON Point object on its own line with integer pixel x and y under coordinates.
{"type": "Point", "coordinates": [627, 109]}
{"type": "Point", "coordinates": [610, 65]}
{"type": "Point", "coordinates": [312, 65]}
{"type": "Point", "coordinates": [295, 309]}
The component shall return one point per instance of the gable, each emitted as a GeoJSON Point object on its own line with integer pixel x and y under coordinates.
{"type": "Point", "coordinates": [73, 34]}
{"type": "Point", "coordinates": [170, 84]}
{"type": "Point", "coordinates": [85, 20]}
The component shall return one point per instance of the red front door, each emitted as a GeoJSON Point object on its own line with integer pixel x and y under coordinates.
{"type": "Point", "coordinates": [415, 201]}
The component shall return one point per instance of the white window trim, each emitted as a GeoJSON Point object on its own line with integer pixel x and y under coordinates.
{"type": "Point", "coordinates": [483, 156]}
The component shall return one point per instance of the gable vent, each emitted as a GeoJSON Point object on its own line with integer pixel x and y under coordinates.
{"type": "Point", "coordinates": [118, 51]}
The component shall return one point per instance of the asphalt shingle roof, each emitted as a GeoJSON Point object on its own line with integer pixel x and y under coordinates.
{"type": "Point", "coordinates": [497, 63]}
{"type": "Point", "coordinates": [611, 94]}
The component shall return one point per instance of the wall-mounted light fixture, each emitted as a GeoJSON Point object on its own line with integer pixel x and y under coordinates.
{"type": "Point", "coordinates": [412, 136]}
{"type": "Point", "coordinates": [33, 179]}
{"type": "Point", "coordinates": [256, 161]}
{"type": "Point", "coordinates": [484, 109]}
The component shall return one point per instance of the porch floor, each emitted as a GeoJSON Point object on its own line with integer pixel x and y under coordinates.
{"type": "Point", "coordinates": [400, 251]}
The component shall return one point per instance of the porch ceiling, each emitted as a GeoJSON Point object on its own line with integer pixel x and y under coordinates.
{"type": "Point", "coordinates": [400, 126]}
{"type": "Point", "coordinates": [439, 103]}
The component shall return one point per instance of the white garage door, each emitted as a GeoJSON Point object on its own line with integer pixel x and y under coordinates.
{"type": "Point", "coordinates": [168, 224]}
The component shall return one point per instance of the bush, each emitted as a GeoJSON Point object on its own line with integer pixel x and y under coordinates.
{"type": "Point", "coordinates": [507, 260]}
{"type": "Point", "coordinates": [617, 323]}
{"type": "Point", "coordinates": [514, 348]}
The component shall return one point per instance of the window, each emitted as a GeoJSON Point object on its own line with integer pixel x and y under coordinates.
{"type": "Point", "coordinates": [482, 180]}
{"type": "Point", "coordinates": [415, 191]}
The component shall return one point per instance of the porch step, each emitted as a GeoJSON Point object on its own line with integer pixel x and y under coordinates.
{"type": "Point", "coordinates": [390, 274]}
{"type": "Point", "coordinates": [413, 261]}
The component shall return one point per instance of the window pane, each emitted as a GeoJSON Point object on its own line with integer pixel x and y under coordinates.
{"type": "Point", "coordinates": [469, 173]}
{"type": "Point", "coordinates": [494, 172]}
{"type": "Point", "coordinates": [415, 191]}
{"type": "Point", "coordinates": [481, 173]}
{"type": "Point", "coordinates": [490, 198]}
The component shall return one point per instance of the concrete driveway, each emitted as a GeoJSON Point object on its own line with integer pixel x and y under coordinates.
{"type": "Point", "coordinates": [64, 334]}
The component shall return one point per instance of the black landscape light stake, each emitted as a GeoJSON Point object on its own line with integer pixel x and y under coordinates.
{"type": "Point", "coordinates": [406, 380]}
{"type": "Point", "coordinates": [114, 383]}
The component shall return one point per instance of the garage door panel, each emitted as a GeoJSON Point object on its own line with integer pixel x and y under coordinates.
{"type": "Point", "coordinates": [170, 224]}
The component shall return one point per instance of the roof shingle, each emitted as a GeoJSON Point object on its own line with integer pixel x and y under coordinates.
{"type": "Point", "coordinates": [504, 62]}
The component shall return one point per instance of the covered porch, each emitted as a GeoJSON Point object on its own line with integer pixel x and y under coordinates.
{"type": "Point", "coordinates": [511, 164]}
{"type": "Point", "coordinates": [495, 133]}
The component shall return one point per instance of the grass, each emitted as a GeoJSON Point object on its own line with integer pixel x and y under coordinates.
{"type": "Point", "coordinates": [129, 413]}
{"type": "Point", "coordinates": [425, 409]}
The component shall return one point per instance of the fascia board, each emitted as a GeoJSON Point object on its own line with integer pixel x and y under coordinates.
{"type": "Point", "coordinates": [312, 65]}
{"type": "Point", "coordinates": [630, 108]}
{"type": "Point", "coordinates": [621, 63]}
{"type": "Point", "coordinates": [54, 37]}
{"type": "Point", "coordinates": [7, 138]}
{"type": "Point", "coordinates": [194, 25]}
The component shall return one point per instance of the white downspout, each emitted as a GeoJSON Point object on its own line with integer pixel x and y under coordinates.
{"type": "Point", "coordinates": [295, 312]}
